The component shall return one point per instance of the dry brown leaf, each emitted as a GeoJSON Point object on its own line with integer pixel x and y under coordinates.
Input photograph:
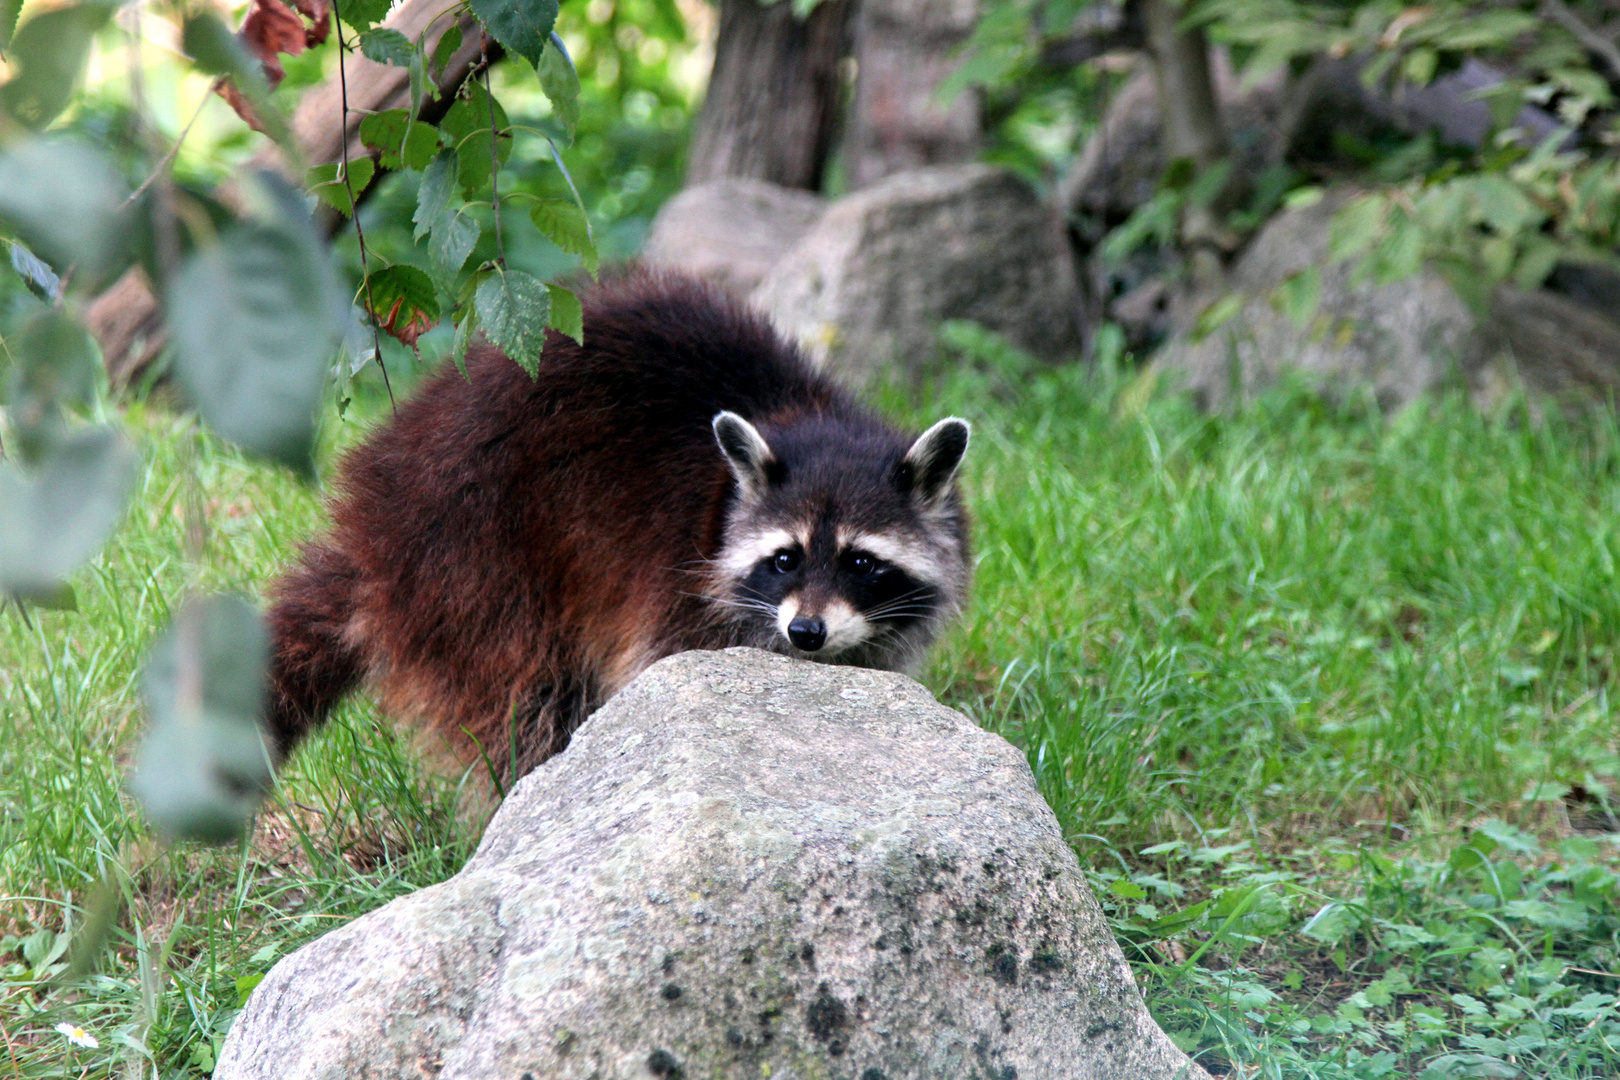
{"type": "Point", "coordinates": [270, 29]}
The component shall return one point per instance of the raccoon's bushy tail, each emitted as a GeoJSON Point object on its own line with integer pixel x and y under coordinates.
{"type": "Point", "coordinates": [313, 662]}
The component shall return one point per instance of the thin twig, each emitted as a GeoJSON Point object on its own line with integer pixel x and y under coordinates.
{"type": "Point", "coordinates": [354, 215]}
{"type": "Point", "coordinates": [164, 224]}
{"type": "Point", "coordinates": [1589, 38]}
{"type": "Point", "coordinates": [494, 156]}
{"type": "Point", "coordinates": [174, 151]}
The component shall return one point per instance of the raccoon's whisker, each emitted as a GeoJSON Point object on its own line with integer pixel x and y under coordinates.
{"type": "Point", "coordinates": [914, 594]}
{"type": "Point", "coordinates": [742, 605]}
{"type": "Point", "coordinates": [887, 616]}
{"type": "Point", "coordinates": [912, 604]}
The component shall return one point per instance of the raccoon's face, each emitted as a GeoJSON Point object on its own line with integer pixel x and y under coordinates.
{"type": "Point", "coordinates": [845, 544]}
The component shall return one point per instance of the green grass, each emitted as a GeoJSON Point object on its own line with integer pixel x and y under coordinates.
{"type": "Point", "coordinates": [1321, 697]}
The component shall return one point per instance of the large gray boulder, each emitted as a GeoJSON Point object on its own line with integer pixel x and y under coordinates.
{"type": "Point", "coordinates": [867, 287]}
{"type": "Point", "coordinates": [743, 866]}
{"type": "Point", "coordinates": [730, 231]}
{"type": "Point", "coordinates": [1399, 340]}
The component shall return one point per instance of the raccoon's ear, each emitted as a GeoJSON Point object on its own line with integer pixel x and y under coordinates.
{"type": "Point", "coordinates": [933, 458]}
{"type": "Point", "coordinates": [747, 452]}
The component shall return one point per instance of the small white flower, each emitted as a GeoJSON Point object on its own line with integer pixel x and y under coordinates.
{"type": "Point", "coordinates": [78, 1036]}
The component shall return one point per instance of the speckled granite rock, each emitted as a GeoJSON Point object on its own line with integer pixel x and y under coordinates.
{"type": "Point", "coordinates": [744, 866]}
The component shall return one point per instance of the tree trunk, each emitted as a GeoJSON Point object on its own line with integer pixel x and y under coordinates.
{"type": "Point", "coordinates": [126, 319]}
{"type": "Point", "coordinates": [905, 51]}
{"type": "Point", "coordinates": [1192, 121]}
{"type": "Point", "coordinates": [1192, 131]}
{"type": "Point", "coordinates": [775, 95]}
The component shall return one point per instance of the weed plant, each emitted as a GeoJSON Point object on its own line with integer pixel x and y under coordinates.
{"type": "Point", "coordinates": [1319, 694]}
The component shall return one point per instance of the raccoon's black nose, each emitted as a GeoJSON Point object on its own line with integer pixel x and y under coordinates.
{"type": "Point", "coordinates": [807, 634]}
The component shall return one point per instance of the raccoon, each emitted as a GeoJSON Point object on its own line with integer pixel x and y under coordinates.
{"type": "Point", "coordinates": [507, 552]}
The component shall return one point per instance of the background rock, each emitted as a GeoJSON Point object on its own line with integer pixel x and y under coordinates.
{"type": "Point", "coordinates": [730, 231]}
{"type": "Point", "coordinates": [868, 285]}
{"type": "Point", "coordinates": [743, 866]}
{"type": "Point", "coordinates": [1120, 168]}
{"type": "Point", "coordinates": [1401, 340]}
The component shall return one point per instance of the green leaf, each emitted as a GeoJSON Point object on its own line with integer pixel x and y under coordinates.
{"type": "Point", "coordinates": [514, 309]}
{"type": "Point", "coordinates": [1216, 315]}
{"type": "Point", "coordinates": [204, 765]}
{"type": "Point", "coordinates": [1536, 261]}
{"type": "Point", "coordinates": [449, 42]}
{"type": "Point", "coordinates": [1128, 890]}
{"type": "Point", "coordinates": [420, 84]}
{"type": "Point", "coordinates": [399, 141]}
{"type": "Point", "coordinates": [47, 55]}
{"type": "Point", "coordinates": [329, 187]}
{"type": "Point", "coordinates": [1356, 227]}
{"type": "Point", "coordinates": [387, 46]}
{"type": "Point", "coordinates": [244, 987]}
{"type": "Point", "coordinates": [467, 125]}
{"type": "Point", "coordinates": [1330, 924]}
{"type": "Point", "coordinates": [433, 197]}
{"type": "Point", "coordinates": [405, 303]}
{"type": "Point", "coordinates": [567, 315]}
{"type": "Point", "coordinates": [1473, 853]}
{"type": "Point", "coordinates": [363, 14]}
{"type": "Point", "coordinates": [54, 359]}
{"type": "Point", "coordinates": [1420, 66]}
{"type": "Point", "coordinates": [561, 83]}
{"type": "Point", "coordinates": [454, 236]}
{"type": "Point", "coordinates": [66, 202]}
{"type": "Point", "coordinates": [216, 51]}
{"type": "Point", "coordinates": [33, 270]}
{"type": "Point", "coordinates": [9, 11]}
{"type": "Point", "coordinates": [565, 224]}
{"type": "Point", "coordinates": [1298, 295]}
{"type": "Point", "coordinates": [462, 339]}
{"type": "Point", "coordinates": [1503, 206]}
{"type": "Point", "coordinates": [1400, 255]}
{"type": "Point", "coordinates": [56, 518]}
{"type": "Point", "coordinates": [254, 322]}
{"type": "Point", "coordinates": [521, 26]}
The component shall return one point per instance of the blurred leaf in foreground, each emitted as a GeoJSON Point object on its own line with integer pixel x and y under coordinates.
{"type": "Point", "coordinates": [66, 202]}
{"type": "Point", "coordinates": [47, 55]}
{"type": "Point", "coordinates": [255, 325]}
{"type": "Point", "coordinates": [205, 766]}
{"type": "Point", "coordinates": [56, 517]}
{"type": "Point", "coordinates": [54, 362]}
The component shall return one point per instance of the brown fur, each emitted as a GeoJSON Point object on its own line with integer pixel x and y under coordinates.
{"type": "Point", "coordinates": [506, 552]}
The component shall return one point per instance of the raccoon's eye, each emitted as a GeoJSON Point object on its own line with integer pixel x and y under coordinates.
{"type": "Point", "coordinates": [860, 564]}
{"type": "Point", "coordinates": [786, 562]}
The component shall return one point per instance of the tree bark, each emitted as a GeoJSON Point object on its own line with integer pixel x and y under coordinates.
{"type": "Point", "coordinates": [775, 95]}
{"type": "Point", "coordinates": [127, 319]}
{"type": "Point", "coordinates": [1187, 104]}
{"type": "Point", "coordinates": [905, 51]}
{"type": "Point", "coordinates": [1193, 131]}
